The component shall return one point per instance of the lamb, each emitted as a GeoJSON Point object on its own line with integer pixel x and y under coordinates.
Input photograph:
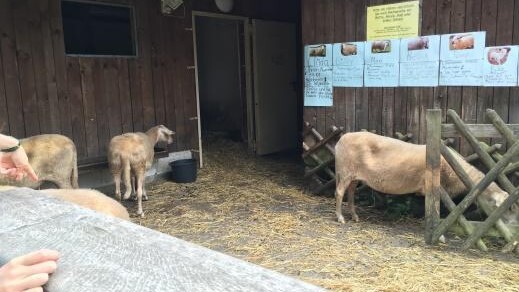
{"type": "Point", "coordinates": [395, 167]}
{"type": "Point", "coordinates": [132, 154]}
{"type": "Point", "coordinates": [462, 42]}
{"type": "Point", "coordinates": [54, 159]}
{"type": "Point", "coordinates": [348, 49]}
{"type": "Point", "coordinates": [87, 198]}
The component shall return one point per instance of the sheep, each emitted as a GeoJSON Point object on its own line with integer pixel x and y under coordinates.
{"type": "Point", "coordinates": [132, 154]}
{"type": "Point", "coordinates": [318, 51]}
{"type": "Point", "coordinates": [380, 46]}
{"type": "Point", "coordinates": [54, 159]}
{"type": "Point", "coordinates": [395, 167]}
{"type": "Point", "coordinates": [87, 198]}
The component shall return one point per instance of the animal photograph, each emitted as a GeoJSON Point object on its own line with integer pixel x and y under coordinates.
{"type": "Point", "coordinates": [498, 56]}
{"type": "Point", "coordinates": [348, 49]}
{"type": "Point", "coordinates": [318, 51]}
{"type": "Point", "coordinates": [461, 42]}
{"type": "Point", "coordinates": [419, 43]}
{"type": "Point", "coordinates": [383, 46]}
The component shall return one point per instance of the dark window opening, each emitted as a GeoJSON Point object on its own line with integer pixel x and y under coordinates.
{"type": "Point", "coordinates": [98, 29]}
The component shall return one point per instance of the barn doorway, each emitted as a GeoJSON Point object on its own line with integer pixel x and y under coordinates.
{"type": "Point", "coordinates": [246, 80]}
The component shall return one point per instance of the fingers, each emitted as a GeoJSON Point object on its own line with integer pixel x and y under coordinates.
{"type": "Point", "coordinates": [47, 267]}
{"type": "Point", "coordinates": [32, 281]}
{"type": "Point", "coordinates": [36, 257]}
{"type": "Point", "coordinates": [37, 289]}
{"type": "Point", "coordinates": [30, 172]}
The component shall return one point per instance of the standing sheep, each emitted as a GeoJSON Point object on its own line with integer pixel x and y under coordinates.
{"type": "Point", "coordinates": [395, 167]}
{"type": "Point", "coordinates": [132, 154]}
{"type": "Point", "coordinates": [54, 159]}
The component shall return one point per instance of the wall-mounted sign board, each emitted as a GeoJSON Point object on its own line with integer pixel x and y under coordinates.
{"type": "Point", "coordinates": [399, 20]}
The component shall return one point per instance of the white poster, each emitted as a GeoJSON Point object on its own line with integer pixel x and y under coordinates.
{"type": "Point", "coordinates": [318, 86]}
{"type": "Point", "coordinates": [500, 66]}
{"type": "Point", "coordinates": [348, 64]}
{"type": "Point", "coordinates": [382, 60]}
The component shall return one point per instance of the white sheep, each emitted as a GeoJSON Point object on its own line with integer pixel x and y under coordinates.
{"type": "Point", "coordinates": [395, 167]}
{"type": "Point", "coordinates": [132, 154]}
{"type": "Point", "coordinates": [87, 198]}
{"type": "Point", "coordinates": [54, 159]}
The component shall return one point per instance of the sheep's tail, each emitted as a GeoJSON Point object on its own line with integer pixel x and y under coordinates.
{"type": "Point", "coordinates": [126, 169]}
{"type": "Point", "coordinates": [74, 174]}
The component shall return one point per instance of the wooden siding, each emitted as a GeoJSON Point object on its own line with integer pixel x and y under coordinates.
{"type": "Point", "coordinates": [91, 99]}
{"type": "Point", "coordinates": [388, 110]}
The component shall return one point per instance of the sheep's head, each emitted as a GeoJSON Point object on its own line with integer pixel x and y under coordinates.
{"type": "Point", "coordinates": [164, 134]}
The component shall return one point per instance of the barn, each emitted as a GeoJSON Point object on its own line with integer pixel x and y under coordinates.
{"type": "Point", "coordinates": [228, 78]}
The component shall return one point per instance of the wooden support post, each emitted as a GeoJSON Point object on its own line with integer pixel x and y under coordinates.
{"type": "Point", "coordinates": [488, 149]}
{"type": "Point", "coordinates": [432, 173]}
{"type": "Point", "coordinates": [464, 223]}
{"type": "Point", "coordinates": [319, 167]}
{"type": "Point", "coordinates": [501, 126]}
{"type": "Point", "coordinates": [474, 192]}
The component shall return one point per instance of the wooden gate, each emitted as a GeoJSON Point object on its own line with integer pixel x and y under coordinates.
{"type": "Point", "coordinates": [499, 167]}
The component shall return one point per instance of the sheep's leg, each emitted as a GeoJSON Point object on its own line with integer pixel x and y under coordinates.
{"type": "Point", "coordinates": [351, 200]}
{"type": "Point", "coordinates": [134, 190]}
{"type": "Point", "coordinates": [127, 182]}
{"type": "Point", "coordinates": [144, 193]}
{"type": "Point", "coordinates": [340, 188]}
{"type": "Point", "coordinates": [140, 183]}
{"type": "Point", "coordinates": [117, 182]}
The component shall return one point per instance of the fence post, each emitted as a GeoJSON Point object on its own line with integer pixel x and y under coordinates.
{"type": "Point", "coordinates": [432, 173]}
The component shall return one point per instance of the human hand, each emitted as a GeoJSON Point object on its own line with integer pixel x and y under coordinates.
{"type": "Point", "coordinates": [28, 272]}
{"type": "Point", "coordinates": [16, 165]}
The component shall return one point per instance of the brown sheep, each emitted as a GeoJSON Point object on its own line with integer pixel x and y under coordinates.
{"type": "Point", "coordinates": [87, 198]}
{"type": "Point", "coordinates": [395, 167]}
{"type": "Point", "coordinates": [54, 159]}
{"type": "Point", "coordinates": [132, 154]}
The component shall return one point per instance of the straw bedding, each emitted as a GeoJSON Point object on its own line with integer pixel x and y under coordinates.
{"type": "Point", "coordinates": [258, 209]}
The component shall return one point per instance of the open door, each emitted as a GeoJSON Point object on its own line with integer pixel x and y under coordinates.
{"type": "Point", "coordinates": [275, 98]}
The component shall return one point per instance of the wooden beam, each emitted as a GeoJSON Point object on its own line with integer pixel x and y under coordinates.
{"type": "Point", "coordinates": [432, 173]}
{"type": "Point", "coordinates": [479, 130]}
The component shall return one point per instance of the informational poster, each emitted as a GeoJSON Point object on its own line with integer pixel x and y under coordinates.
{"type": "Point", "coordinates": [420, 61]}
{"type": "Point", "coordinates": [381, 59]}
{"type": "Point", "coordinates": [399, 20]}
{"type": "Point", "coordinates": [500, 66]}
{"type": "Point", "coordinates": [461, 59]}
{"type": "Point", "coordinates": [348, 64]}
{"type": "Point", "coordinates": [318, 90]}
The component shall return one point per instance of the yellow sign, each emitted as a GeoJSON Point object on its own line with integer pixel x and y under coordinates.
{"type": "Point", "coordinates": [398, 20]}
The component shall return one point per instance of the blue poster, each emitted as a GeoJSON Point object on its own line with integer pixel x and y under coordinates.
{"type": "Point", "coordinates": [419, 61]}
{"type": "Point", "coordinates": [500, 66]}
{"type": "Point", "coordinates": [348, 64]}
{"type": "Point", "coordinates": [382, 63]}
{"type": "Point", "coordinates": [318, 86]}
{"type": "Point", "coordinates": [461, 73]}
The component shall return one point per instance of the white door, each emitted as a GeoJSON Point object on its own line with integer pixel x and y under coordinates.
{"type": "Point", "coordinates": [275, 99]}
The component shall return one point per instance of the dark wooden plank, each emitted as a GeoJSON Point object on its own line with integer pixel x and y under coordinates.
{"type": "Point", "coordinates": [125, 95]}
{"type": "Point", "coordinates": [136, 93]}
{"type": "Point", "coordinates": [339, 35]}
{"type": "Point", "coordinates": [504, 36]}
{"type": "Point", "coordinates": [328, 37]}
{"type": "Point", "coordinates": [101, 104]}
{"type": "Point", "coordinates": [25, 66]}
{"type": "Point", "coordinates": [513, 115]}
{"type": "Point", "coordinates": [144, 58]}
{"type": "Point", "coordinates": [388, 104]}
{"type": "Point", "coordinates": [50, 70]}
{"type": "Point", "coordinates": [45, 112]}
{"type": "Point", "coordinates": [308, 18]}
{"type": "Point", "coordinates": [10, 70]}
{"type": "Point", "coordinates": [4, 118]}
{"type": "Point", "coordinates": [320, 37]}
{"type": "Point", "coordinates": [177, 72]}
{"type": "Point", "coordinates": [400, 110]}
{"type": "Point", "coordinates": [347, 114]}
{"type": "Point", "coordinates": [157, 58]}
{"type": "Point", "coordinates": [361, 109]}
{"type": "Point", "coordinates": [89, 105]}
{"type": "Point", "coordinates": [76, 111]}
{"type": "Point", "coordinates": [119, 250]}
{"type": "Point", "coordinates": [113, 111]}
{"type": "Point", "coordinates": [58, 45]}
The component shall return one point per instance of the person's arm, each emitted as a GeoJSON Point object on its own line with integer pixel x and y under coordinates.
{"type": "Point", "coordinates": [13, 159]}
{"type": "Point", "coordinates": [28, 272]}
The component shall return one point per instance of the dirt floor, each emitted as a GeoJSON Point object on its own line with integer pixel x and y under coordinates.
{"type": "Point", "coordinates": [258, 209]}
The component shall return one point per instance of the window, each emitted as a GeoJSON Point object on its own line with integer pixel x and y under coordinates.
{"type": "Point", "coordinates": [98, 29]}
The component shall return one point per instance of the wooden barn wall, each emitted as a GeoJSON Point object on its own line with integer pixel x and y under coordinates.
{"type": "Point", "coordinates": [91, 99]}
{"type": "Point", "coordinates": [402, 109]}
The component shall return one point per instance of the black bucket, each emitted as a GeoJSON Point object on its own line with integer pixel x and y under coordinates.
{"type": "Point", "coordinates": [183, 170]}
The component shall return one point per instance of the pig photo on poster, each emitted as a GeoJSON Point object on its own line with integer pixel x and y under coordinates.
{"type": "Point", "coordinates": [500, 66]}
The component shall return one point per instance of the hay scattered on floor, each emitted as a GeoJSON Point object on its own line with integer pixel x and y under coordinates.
{"type": "Point", "coordinates": [257, 209]}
